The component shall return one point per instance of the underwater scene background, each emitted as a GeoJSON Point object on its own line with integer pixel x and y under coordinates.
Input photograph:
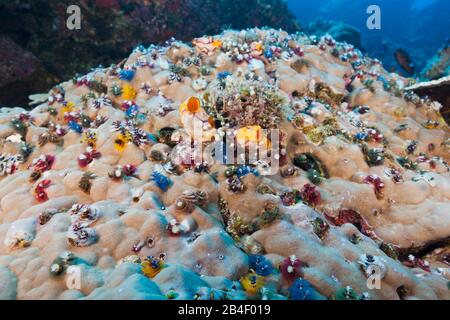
{"type": "Point", "coordinates": [39, 51]}
{"type": "Point", "coordinates": [224, 150]}
{"type": "Point", "coordinates": [420, 27]}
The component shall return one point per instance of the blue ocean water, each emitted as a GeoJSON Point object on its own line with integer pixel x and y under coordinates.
{"type": "Point", "coordinates": [420, 27]}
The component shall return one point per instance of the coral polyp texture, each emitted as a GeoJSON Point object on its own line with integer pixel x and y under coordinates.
{"type": "Point", "coordinates": [101, 198]}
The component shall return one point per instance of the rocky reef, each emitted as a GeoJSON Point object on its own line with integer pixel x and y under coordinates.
{"type": "Point", "coordinates": [340, 30]}
{"type": "Point", "coordinates": [437, 90]}
{"type": "Point", "coordinates": [36, 44]}
{"type": "Point", "coordinates": [438, 66]}
{"type": "Point", "coordinates": [96, 178]}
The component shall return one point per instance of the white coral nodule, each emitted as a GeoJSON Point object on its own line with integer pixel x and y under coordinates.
{"type": "Point", "coordinates": [83, 213]}
{"type": "Point", "coordinates": [9, 163]}
{"type": "Point", "coordinates": [372, 265]}
{"type": "Point", "coordinates": [80, 235]}
{"type": "Point", "coordinates": [20, 234]}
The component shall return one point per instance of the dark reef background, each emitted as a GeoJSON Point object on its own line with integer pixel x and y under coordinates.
{"type": "Point", "coordinates": [37, 50]}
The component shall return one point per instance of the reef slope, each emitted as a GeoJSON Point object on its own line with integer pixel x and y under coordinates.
{"type": "Point", "coordinates": [96, 203]}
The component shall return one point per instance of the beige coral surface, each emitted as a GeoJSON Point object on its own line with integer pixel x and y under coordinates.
{"type": "Point", "coordinates": [202, 230]}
